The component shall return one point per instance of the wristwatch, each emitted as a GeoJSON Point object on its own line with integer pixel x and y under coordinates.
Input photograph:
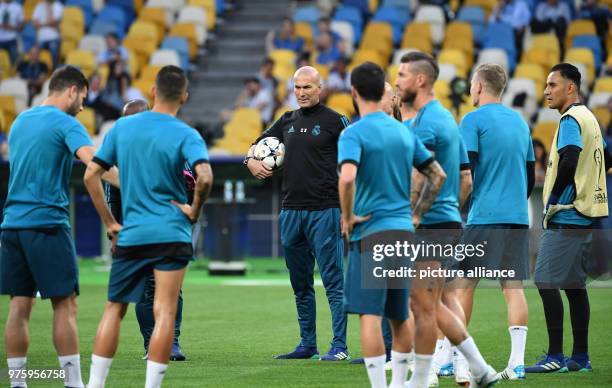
{"type": "Point", "coordinates": [246, 160]}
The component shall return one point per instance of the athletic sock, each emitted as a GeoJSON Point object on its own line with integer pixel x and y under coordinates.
{"type": "Point", "coordinates": [518, 338]}
{"type": "Point", "coordinates": [375, 366]}
{"type": "Point", "coordinates": [478, 366]}
{"type": "Point", "coordinates": [98, 371]}
{"type": "Point", "coordinates": [17, 363]}
{"type": "Point", "coordinates": [553, 312]}
{"type": "Point", "coordinates": [399, 369]}
{"type": "Point", "coordinates": [442, 355]}
{"type": "Point", "coordinates": [580, 312]}
{"type": "Point", "coordinates": [420, 376]}
{"type": "Point", "coordinates": [71, 365]}
{"type": "Point", "coordinates": [155, 374]}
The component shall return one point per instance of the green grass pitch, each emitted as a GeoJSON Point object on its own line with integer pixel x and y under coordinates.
{"type": "Point", "coordinates": [232, 327]}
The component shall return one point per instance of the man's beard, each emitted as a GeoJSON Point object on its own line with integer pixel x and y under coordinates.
{"type": "Point", "coordinates": [74, 109]}
{"type": "Point", "coordinates": [408, 98]}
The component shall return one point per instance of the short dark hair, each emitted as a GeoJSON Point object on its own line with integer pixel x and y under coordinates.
{"type": "Point", "coordinates": [424, 64]}
{"type": "Point", "coordinates": [569, 72]}
{"type": "Point", "coordinates": [171, 83]}
{"type": "Point", "coordinates": [369, 81]}
{"type": "Point", "coordinates": [66, 77]}
{"type": "Point", "coordinates": [112, 35]}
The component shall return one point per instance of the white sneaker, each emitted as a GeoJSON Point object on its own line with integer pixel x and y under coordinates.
{"type": "Point", "coordinates": [433, 378]}
{"type": "Point", "coordinates": [461, 370]}
{"type": "Point", "coordinates": [489, 379]}
{"type": "Point", "coordinates": [510, 373]}
{"type": "Point", "coordinates": [388, 366]}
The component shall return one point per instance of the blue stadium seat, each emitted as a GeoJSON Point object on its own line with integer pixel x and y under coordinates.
{"type": "Point", "coordinates": [114, 15]}
{"type": "Point", "coordinates": [353, 16]}
{"type": "Point", "coordinates": [179, 45]}
{"type": "Point", "coordinates": [220, 4]}
{"type": "Point", "coordinates": [591, 42]}
{"type": "Point", "coordinates": [362, 5]}
{"type": "Point", "coordinates": [501, 35]}
{"type": "Point", "coordinates": [128, 9]}
{"type": "Point", "coordinates": [476, 17]}
{"type": "Point", "coordinates": [87, 8]}
{"type": "Point", "coordinates": [307, 14]}
{"type": "Point", "coordinates": [397, 17]}
{"type": "Point", "coordinates": [101, 27]}
{"type": "Point", "coordinates": [28, 36]}
{"type": "Point", "coordinates": [396, 3]}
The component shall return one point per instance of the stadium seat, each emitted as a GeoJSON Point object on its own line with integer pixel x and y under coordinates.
{"type": "Point", "coordinates": [533, 72]}
{"type": "Point", "coordinates": [86, 6]}
{"type": "Point", "coordinates": [493, 55]}
{"type": "Point", "coordinates": [187, 31]}
{"type": "Point", "coordinates": [501, 35]}
{"type": "Point", "coordinates": [593, 43]}
{"type": "Point", "coordinates": [353, 16]}
{"type": "Point", "coordinates": [211, 11]}
{"type": "Point", "coordinates": [46, 58]}
{"type": "Point", "coordinates": [6, 69]}
{"type": "Point", "coordinates": [196, 16]}
{"type": "Point", "coordinates": [603, 85]}
{"type": "Point", "coordinates": [585, 57]}
{"type": "Point", "coordinates": [144, 85]}
{"type": "Point", "coordinates": [342, 101]}
{"type": "Point", "coordinates": [459, 29]}
{"type": "Point", "coordinates": [539, 57]}
{"type": "Point", "coordinates": [378, 36]}
{"type": "Point", "coordinates": [448, 72]}
{"type": "Point", "coordinates": [114, 15]}
{"type": "Point", "coordinates": [323, 70]}
{"type": "Point", "coordinates": [141, 48]}
{"type": "Point", "coordinates": [392, 71]}
{"type": "Point", "coordinates": [284, 63]}
{"type": "Point", "coordinates": [476, 17]}
{"type": "Point", "coordinates": [249, 117]}
{"type": "Point", "coordinates": [399, 53]}
{"type": "Point", "coordinates": [398, 18]}
{"type": "Point", "coordinates": [362, 5]}
{"type": "Point", "coordinates": [165, 57]}
{"type": "Point", "coordinates": [464, 108]}
{"type": "Point", "coordinates": [579, 27]}
{"type": "Point", "coordinates": [133, 64]}
{"type": "Point", "coordinates": [397, 4]}
{"type": "Point", "coordinates": [442, 89]}
{"type": "Point", "coordinates": [156, 16]}
{"type": "Point", "coordinates": [433, 15]}
{"type": "Point", "coordinates": [87, 117]}
{"type": "Point", "coordinates": [93, 43]}
{"type": "Point", "coordinates": [75, 17]}
{"type": "Point", "coordinates": [599, 99]}
{"type": "Point", "coordinates": [545, 133]}
{"type": "Point", "coordinates": [149, 72]}
{"type": "Point", "coordinates": [462, 44]}
{"type": "Point", "coordinates": [18, 89]}
{"type": "Point", "coordinates": [179, 45]}
{"type": "Point", "coordinates": [522, 86]}
{"type": "Point", "coordinates": [9, 110]}
{"type": "Point", "coordinates": [144, 31]}
{"type": "Point", "coordinates": [603, 116]}
{"type": "Point", "coordinates": [171, 7]}
{"type": "Point", "coordinates": [546, 114]}
{"type": "Point", "coordinates": [84, 60]}
{"type": "Point", "coordinates": [345, 30]}
{"type": "Point", "coordinates": [456, 58]}
{"type": "Point", "coordinates": [28, 9]}
{"type": "Point", "coordinates": [281, 111]}
{"type": "Point", "coordinates": [486, 5]}
{"type": "Point", "coordinates": [101, 27]}
{"type": "Point", "coordinates": [71, 36]}
{"type": "Point", "coordinates": [308, 14]}
{"type": "Point", "coordinates": [362, 56]}
{"type": "Point", "coordinates": [304, 31]}
{"type": "Point", "coordinates": [418, 36]}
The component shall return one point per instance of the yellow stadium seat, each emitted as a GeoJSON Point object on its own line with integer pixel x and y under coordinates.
{"type": "Point", "coordinates": [145, 31]}
{"type": "Point", "coordinates": [579, 27]}
{"type": "Point", "coordinates": [342, 101]}
{"type": "Point", "coordinates": [545, 132]}
{"type": "Point", "coordinates": [304, 31]}
{"type": "Point", "coordinates": [454, 57]}
{"type": "Point", "coordinates": [103, 71]}
{"type": "Point", "coordinates": [28, 9]}
{"type": "Point", "coordinates": [149, 72]}
{"type": "Point", "coordinates": [441, 89]}
{"type": "Point", "coordinates": [145, 87]}
{"type": "Point", "coordinates": [462, 44]}
{"type": "Point", "coordinates": [87, 117]}
{"type": "Point", "coordinates": [284, 57]}
{"type": "Point", "coordinates": [323, 70]}
{"type": "Point", "coordinates": [373, 43]}
{"type": "Point", "coordinates": [373, 5]}
{"type": "Point", "coordinates": [361, 56]}
{"type": "Point", "coordinates": [138, 4]}
{"type": "Point", "coordinates": [6, 69]}
{"type": "Point", "coordinates": [533, 72]}
{"type": "Point", "coordinates": [133, 64]}
{"type": "Point", "coordinates": [281, 111]}
{"type": "Point", "coordinates": [74, 16]}
{"type": "Point", "coordinates": [379, 37]}
{"type": "Point", "coordinates": [603, 85]}
{"type": "Point", "coordinates": [281, 91]}
{"type": "Point", "coordinates": [465, 108]}
{"type": "Point", "coordinates": [142, 49]}
{"type": "Point", "coordinates": [609, 61]}
{"type": "Point", "coordinates": [458, 29]}
{"type": "Point", "coordinates": [486, 5]}
{"type": "Point", "coordinates": [85, 60]}
{"type": "Point", "coordinates": [247, 117]}
{"type": "Point", "coordinates": [156, 16]}
{"type": "Point", "coordinates": [392, 71]}
{"type": "Point", "coordinates": [9, 110]}
{"type": "Point", "coordinates": [548, 43]}
{"type": "Point", "coordinates": [603, 116]}
{"type": "Point", "coordinates": [2, 122]}
{"type": "Point", "coordinates": [211, 11]}
{"type": "Point", "coordinates": [539, 57]}
{"type": "Point", "coordinates": [187, 31]}
{"type": "Point", "coordinates": [380, 30]}
{"type": "Point", "coordinates": [417, 35]}
{"type": "Point", "coordinates": [71, 36]}
{"type": "Point", "coordinates": [584, 56]}
{"type": "Point", "coordinates": [46, 58]}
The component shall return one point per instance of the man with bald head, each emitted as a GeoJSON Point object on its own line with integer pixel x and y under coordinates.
{"type": "Point", "coordinates": [310, 215]}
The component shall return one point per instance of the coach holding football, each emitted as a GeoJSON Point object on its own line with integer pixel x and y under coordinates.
{"type": "Point", "coordinates": [310, 215]}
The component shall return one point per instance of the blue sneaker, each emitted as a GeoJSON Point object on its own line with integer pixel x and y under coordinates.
{"type": "Point", "coordinates": [336, 354]}
{"type": "Point", "coordinates": [579, 363]}
{"type": "Point", "coordinates": [176, 354]}
{"type": "Point", "coordinates": [548, 363]}
{"type": "Point", "coordinates": [446, 370]}
{"type": "Point", "coordinates": [516, 373]}
{"type": "Point", "coordinates": [300, 353]}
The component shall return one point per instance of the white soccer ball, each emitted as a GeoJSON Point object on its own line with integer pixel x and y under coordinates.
{"type": "Point", "coordinates": [270, 151]}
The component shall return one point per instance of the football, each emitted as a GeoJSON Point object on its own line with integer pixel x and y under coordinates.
{"type": "Point", "coordinates": [270, 151]}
